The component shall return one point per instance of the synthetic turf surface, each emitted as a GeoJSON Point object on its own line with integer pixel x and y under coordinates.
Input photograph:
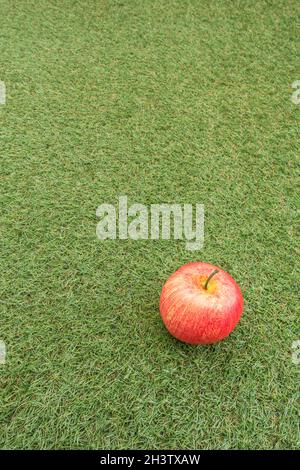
{"type": "Point", "coordinates": [162, 101]}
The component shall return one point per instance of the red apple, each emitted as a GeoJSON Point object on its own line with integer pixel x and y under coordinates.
{"type": "Point", "coordinates": [200, 303]}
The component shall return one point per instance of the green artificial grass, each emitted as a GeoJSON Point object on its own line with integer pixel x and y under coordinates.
{"type": "Point", "coordinates": [178, 101]}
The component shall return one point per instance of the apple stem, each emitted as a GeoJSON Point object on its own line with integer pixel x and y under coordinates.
{"type": "Point", "coordinates": [209, 277]}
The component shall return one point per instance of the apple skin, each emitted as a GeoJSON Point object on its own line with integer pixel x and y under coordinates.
{"type": "Point", "coordinates": [197, 315]}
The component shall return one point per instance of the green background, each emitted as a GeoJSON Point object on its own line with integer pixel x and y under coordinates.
{"type": "Point", "coordinates": [163, 101]}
